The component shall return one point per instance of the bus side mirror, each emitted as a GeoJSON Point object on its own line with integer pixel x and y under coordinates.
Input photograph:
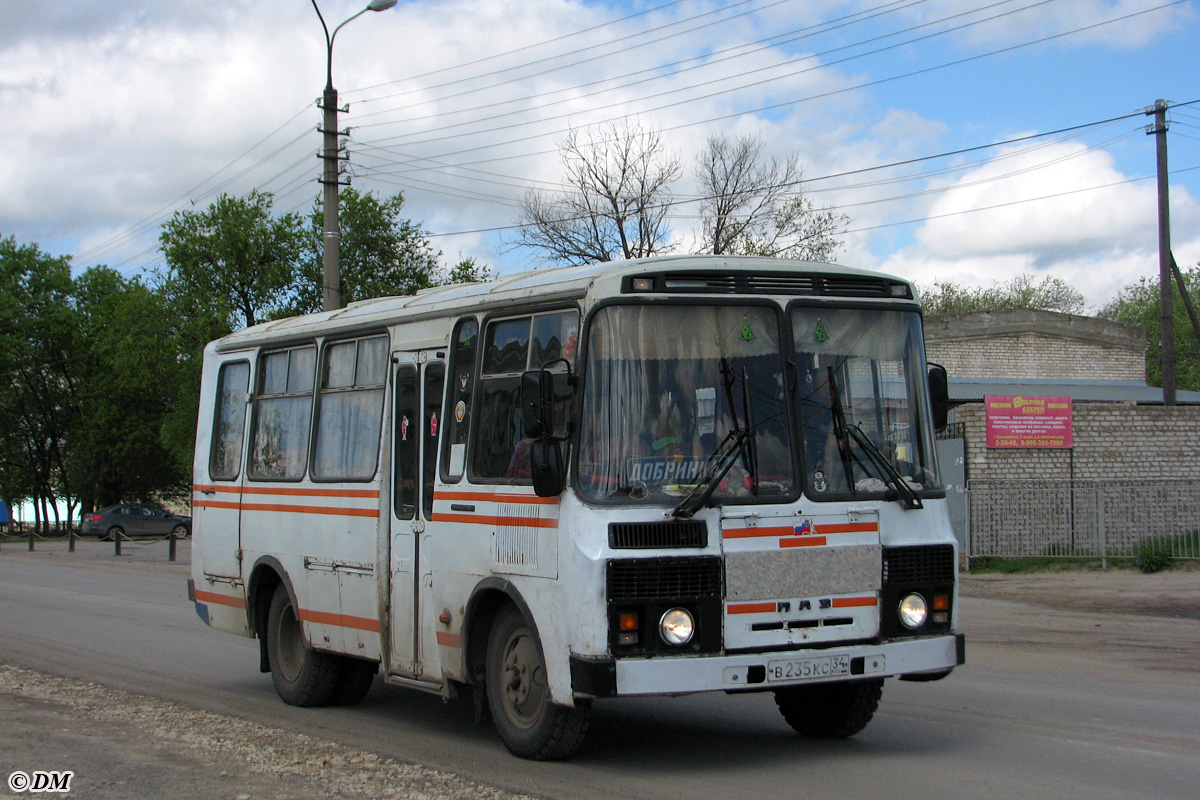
{"type": "Point", "coordinates": [546, 467]}
{"type": "Point", "coordinates": [939, 395]}
{"type": "Point", "coordinates": [537, 403]}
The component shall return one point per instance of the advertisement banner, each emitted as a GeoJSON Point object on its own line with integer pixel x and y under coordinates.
{"type": "Point", "coordinates": [1028, 421]}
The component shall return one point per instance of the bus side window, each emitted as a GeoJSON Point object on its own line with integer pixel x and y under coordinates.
{"type": "Point", "coordinates": [233, 384]}
{"type": "Point", "coordinates": [350, 416]}
{"type": "Point", "coordinates": [282, 413]}
{"type": "Point", "coordinates": [458, 399]}
{"type": "Point", "coordinates": [435, 380]}
{"type": "Point", "coordinates": [406, 433]}
{"type": "Point", "coordinates": [500, 450]}
{"type": "Point", "coordinates": [498, 434]}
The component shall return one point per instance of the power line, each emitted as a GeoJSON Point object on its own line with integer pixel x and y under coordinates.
{"type": "Point", "coordinates": [777, 106]}
{"type": "Point", "coordinates": [708, 59]}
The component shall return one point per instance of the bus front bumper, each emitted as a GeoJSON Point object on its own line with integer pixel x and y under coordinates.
{"type": "Point", "coordinates": [664, 675]}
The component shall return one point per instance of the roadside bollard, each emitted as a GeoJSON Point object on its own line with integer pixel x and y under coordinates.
{"type": "Point", "coordinates": [31, 540]}
{"type": "Point", "coordinates": [70, 540]}
{"type": "Point", "coordinates": [171, 546]}
{"type": "Point", "coordinates": [117, 544]}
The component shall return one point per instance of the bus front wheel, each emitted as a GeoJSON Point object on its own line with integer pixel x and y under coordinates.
{"type": "Point", "coordinates": [519, 696]}
{"type": "Point", "coordinates": [302, 676]}
{"type": "Point", "coordinates": [830, 710]}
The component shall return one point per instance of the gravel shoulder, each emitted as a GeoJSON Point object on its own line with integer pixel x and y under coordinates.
{"type": "Point", "coordinates": [122, 745]}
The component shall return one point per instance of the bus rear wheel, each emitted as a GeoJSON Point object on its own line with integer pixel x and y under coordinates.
{"type": "Point", "coordinates": [355, 677]}
{"type": "Point", "coordinates": [830, 710]}
{"type": "Point", "coordinates": [519, 695]}
{"type": "Point", "coordinates": [302, 676]}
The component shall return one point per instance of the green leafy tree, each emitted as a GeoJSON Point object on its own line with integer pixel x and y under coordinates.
{"type": "Point", "coordinates": [39, 349]}
{"type": "Point", "coordinates": [381, 253]}
{"type": "Point", "coordinates": [126, 391]}
{"type": "Point", "coordinates": [469, 270]}
{"type": "Point", "coordinates": [234, 260]}
{"type": "Point", "coordinates": [946, 299]}
{"type": "Point", "coordinates": [1141, 304]}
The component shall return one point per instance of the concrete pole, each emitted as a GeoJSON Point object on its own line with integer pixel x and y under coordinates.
{"type": "Point", "coordinates": [331, 272]}
{"type": "Point", "coordinates": [1167, 322]}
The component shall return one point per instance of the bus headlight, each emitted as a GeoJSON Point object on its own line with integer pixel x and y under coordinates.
{"type": "Point", "coordinates": [913, 611]}
{"type": "Point", "coordinates": [676, 627]}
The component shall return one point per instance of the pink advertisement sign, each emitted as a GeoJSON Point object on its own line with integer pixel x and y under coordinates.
{"type": "Point", "coordinates": [1028, 421]}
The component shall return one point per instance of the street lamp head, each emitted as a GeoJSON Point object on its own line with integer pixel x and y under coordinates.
{"type": "Point", "coordinates": [380, 5]}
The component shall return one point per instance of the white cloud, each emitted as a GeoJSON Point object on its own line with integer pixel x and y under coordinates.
{"type": "Point", "coordinates": [112, 113]}
{"type": "Point", "coordinates": [988, 225]}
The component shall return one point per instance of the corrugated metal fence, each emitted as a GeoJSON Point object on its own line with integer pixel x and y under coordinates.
{"type": "Point", "coordinates": [1082, 518]}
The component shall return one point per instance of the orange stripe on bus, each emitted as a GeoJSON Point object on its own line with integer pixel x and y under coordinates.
{"type": "Point", "coordinates": [329, 510]}
{"type": "Point", "coordinates": [751, 608]}
{"type": "Point", "coordinates": [746, 533]}
{"type": "Point", "coordinates": [849, 527]}
{"type": "Point", "coordinates": [216, 504]}
{"type": "Point", "coordinates": [803, 541]}
{"type": "Point", "coordinates": [514, 522]}
{"type": "Point", "coordinates": [497, 497]}
{"type": "Point", "coordinates": [340, 620]}
{"type": "Point", "coordinates": [855, 602]}
{"type": "Point", "coordinates": [220, 599]}
{"type": "Point", "coordinates": [288, 491]}
{"type": "Point", "coordinates": [449, 639]}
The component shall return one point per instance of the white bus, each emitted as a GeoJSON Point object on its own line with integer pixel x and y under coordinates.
{"type": "Point", "coordinates": [650, 477]}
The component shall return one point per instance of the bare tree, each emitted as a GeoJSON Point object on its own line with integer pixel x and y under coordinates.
{"type": "Point", "coordinates": [615, 199]}
{"type": "Point", "coordinates": [753, 205]}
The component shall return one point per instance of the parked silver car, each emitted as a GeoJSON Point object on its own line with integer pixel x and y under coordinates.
{"type": "Point", "coordinates": [135, 519]}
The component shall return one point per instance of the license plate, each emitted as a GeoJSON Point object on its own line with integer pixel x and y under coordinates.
{"type": "Point", "coordinates": [802, 669]}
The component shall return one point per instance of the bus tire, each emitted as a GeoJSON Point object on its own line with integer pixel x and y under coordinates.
{"type": "Point", "coordinates": [830, 710]}
{"type": "Point", "coordinates": [354, 680]}
{"type": "Point", "coordinates": [519, 697]}
{"type": "Point", "coordinates": [302, 676]}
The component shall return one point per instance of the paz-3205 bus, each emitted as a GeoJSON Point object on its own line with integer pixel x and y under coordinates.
{"type": "Point", "coordinates": [650, 477]}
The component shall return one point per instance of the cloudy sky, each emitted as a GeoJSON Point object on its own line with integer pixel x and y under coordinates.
{"type": "Point", "coordinates": [967, 140]}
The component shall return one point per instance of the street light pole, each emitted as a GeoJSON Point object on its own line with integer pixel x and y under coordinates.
{"type": "Point", "coordinates": [331, 277]}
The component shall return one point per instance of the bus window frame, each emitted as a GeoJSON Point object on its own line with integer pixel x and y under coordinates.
{"type": "Point", "coordinates": [319, 390]}
{"type": "Point", "coordinates": [256, 397]}
{"type": "Point", "coordinates": [788, 372]}
{"type": "Point", "coordinates": [909, 306]}
{"type": "Point", "coordinates": [240, 465]}
{"type": "Point", "coordinates": [499, 316]}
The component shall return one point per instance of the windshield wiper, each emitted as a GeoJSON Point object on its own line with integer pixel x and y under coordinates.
{"type": "Point", "coordinates": [844, 433]}
{"type": "Point", "coordinates": [908, 496]}
{"type": "Point", "coordinates": [719, 464]}
{"type": "Point", "coordinates": [839, 429]}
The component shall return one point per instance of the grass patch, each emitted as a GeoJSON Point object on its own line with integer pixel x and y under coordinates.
{"type": "Point", "coordinates": [1007, 566]}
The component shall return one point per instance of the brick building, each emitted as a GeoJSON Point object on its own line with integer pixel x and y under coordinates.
{"type": "Point", "coordinates": [1122, 433]}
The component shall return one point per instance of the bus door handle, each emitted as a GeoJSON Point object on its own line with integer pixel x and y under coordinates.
{"type": "Point", "coordinates": [462, 507]}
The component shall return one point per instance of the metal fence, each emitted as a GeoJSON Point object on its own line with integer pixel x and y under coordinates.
{"type": "Point", "coordinates": [1082, 518]}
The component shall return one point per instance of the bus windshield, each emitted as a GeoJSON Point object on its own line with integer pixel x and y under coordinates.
{"type": "Point", "coordinates": [862, 401]}
{"type": "Point", "coordinates": [669, 387]}
{"type": "Point", "coordinates": [666, 386]}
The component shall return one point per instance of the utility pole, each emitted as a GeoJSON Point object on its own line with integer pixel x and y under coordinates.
{"type": "Point", "coordinates": [331, 182]}
{"type": "Point", "coordinates": [331, 179]}
{"type": "Point", "coordinates": [1167, 322]}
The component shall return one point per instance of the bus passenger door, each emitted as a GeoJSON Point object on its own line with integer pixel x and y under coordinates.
{"type": "Point", "coordinates": [219, 471]}
{"type": "Point", "coordinates": [416, 427]}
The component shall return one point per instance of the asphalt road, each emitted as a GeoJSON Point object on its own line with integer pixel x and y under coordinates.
{"type": "Point", "coordinates": [1054, 702]}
